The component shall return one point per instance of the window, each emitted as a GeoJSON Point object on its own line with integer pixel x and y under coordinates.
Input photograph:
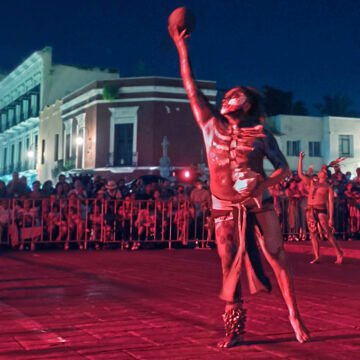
{"type": "Point", "coordinates": [314, 149]}
{"type": "Point", "coordinates": [36, 149]}
{"type": "Point", "coordinates": [346, 145]}
{"type": "Point", "coordinates": [67, 147]}
{"type": "Point", "coordinates": [5, 158]}
{"type": "Point", "coordinates": [12, 156]}
{"type": "Point", "coordinates": [56, 148]}
{"type": "Point", "coordinates": [43, 152]}
{"type": "Point", "coordinates": [293, 148]}
{"type": "Point", "coordinates": [19, 152]}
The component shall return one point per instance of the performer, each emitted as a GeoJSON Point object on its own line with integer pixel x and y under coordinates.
{"type": "Point", "coordinates": [320, 210]}
{"type": "Point", "coordinates": [236, 144]}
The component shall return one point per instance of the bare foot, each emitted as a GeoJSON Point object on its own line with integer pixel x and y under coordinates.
{"type": "Point", "coordinates": [301, 332]}
{"type": "Point", "coordinates": [315, 261]}
{"type": "Point", "coordinates": [230, 341]}
{"type": "Point", "coordinates": [339, 258]}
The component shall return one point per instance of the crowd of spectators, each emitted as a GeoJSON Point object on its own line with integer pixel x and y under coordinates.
{"type": "Point", "coordinates": [290, 200]}
{"type": "Point", "coordinates": [93, 212]}
{"type": "Point", "coordinates": [96, 212]}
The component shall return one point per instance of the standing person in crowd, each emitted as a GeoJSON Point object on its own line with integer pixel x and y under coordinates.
{"type": "Point", "coordinates": [3, 190]}
{"type": "Point", "coordinates": [320, 210]}
{"type": "Point", "coordinates": [5, 216]}
{"type": "Point", "coordinates": [111, 196]}
{"type": "Point", "coordinates": [200, 202]}
{"type": "Point", "coordinates": [304, 191]}
{"type": "Point", "coordinates": [236, 144]}
{"type": "Point", "coordinates": [293, 195]}
{"type": "Point", "coordinates": [123, 188]}
{"type": "Point", "coordinates": [13, 185]}
{"type": "Point", "coordinates": [36, 193]}
{"type": "Point", "coordinates": [24, 188]}
{"type": "Point", "coordinates": [339, 183]}
{"type": "Point", "coordinates": [356, 180]}
{"type": "Point", "coordinates": [111, 191]}
{"type": "Point", "coordinates": [353, 210]}
{"type": "Point", "coordinates": [180, 196]}
{"type": "Point", "coordinates": [48, 188]}
{"type": "Point", "coordinates": [61, 179]}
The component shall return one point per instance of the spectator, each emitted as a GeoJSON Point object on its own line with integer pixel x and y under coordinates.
{"type": "Point", "coordinates": [29, 223]}
{"type": "Point", "coordinates": [293, 194]}
{"type": "Point", "coordinates": [166, 192]}
{"type": "Point", "coordinates": [36, 193]}
{"type": "Point", "coordinates": [200, 197]}
{"type": "Point", "coordinates": [146, 194]}
{"type": "Point", "coordinates": [5, 216]}
{"type": "Point", "coordinates": [123, 188]}
{"type": "Point", "coordinates": [60, 191]}
{"type": "Point", "coordinates": [111, 191]}
{"type": "Point", "coordinates": [48, 188]}
{"type": "Point", "coordinates": [200, 200]}
{"type": "Point", "coordinates": [356, 180]}
{"type": "Point", "coordinates": [79, 191]}
{"type": "Point", "coordinates": [13, 185]}
{"type": "Point", "coordinates": [96, 185]}
{"type": "Point", "coordinates": [3, 190]}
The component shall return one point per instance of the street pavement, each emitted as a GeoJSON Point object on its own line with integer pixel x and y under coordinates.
{"type": "Point", "coordinates": [163, 304]}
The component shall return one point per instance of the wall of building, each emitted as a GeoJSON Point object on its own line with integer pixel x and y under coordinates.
{"type": "Point", "coordinates": [50, 125]}
{"type": "Point", "coordinates": [337, 126]}
{"type": "Point", "coordinates": [177, 123]}
{"type": "Point", "coordinates": [303, 129]}
{"type": "Point", "coordinates": [157, 107]}
{"type": "Point", "coordinates": [61, 80]}
{"type": "Point", "coordinates": [325, 130]}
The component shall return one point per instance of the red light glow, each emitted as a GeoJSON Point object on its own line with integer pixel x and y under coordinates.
{"type": "Point", "coordinates": [187, 174]}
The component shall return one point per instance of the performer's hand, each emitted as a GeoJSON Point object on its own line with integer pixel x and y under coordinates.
{"type": "Point", "coordinates": [178, 37]}
{"type": "Point", "coordinates": [302, 154]}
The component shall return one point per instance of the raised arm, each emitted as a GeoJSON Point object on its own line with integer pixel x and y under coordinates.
{"type": "Point", "coordinates": [200, 106]}
{"type": "Point", "coordinates": [300, 168]}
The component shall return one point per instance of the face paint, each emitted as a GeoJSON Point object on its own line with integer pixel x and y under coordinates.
{"type": "Point", "coordinates": [234, 100]}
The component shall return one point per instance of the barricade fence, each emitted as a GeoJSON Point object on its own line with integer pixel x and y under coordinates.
{"type": "Point", "coordinates": [95, 223]}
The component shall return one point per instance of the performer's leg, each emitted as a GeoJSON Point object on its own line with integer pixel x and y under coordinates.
{"type": "Point", "coordinates": [324, 222]}
{"type": "Point", "coordinates": [272, 246]}
{"type": "Point", "coordinates": [314, 237]}
{"type": "Point", "coordinates": [235, 315]}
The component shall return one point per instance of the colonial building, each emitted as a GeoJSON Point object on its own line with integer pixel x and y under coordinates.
{"type": "Point", "coordinates": [122, 124]}
{"type": "Point", "coordinates": [323, 139]}
{"type": "Point", "coordinates": [24, 92]}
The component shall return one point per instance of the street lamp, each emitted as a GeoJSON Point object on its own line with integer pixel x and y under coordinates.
{"type": "Point", "coordinates": [30, 153]}
{"type": "Point", "coordinates": [79, 140]}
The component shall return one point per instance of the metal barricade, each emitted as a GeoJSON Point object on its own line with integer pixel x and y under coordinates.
{"type": "Point", "coordinates": [131, 224]}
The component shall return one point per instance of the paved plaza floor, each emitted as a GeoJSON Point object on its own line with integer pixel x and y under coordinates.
{"type": "Point", "coordinates": [162, 304]}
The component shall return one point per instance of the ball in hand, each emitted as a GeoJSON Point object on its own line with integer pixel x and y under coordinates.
{"type": "Point", "coordinates": [181, 19]}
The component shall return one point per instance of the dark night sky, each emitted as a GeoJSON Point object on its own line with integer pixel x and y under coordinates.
{"type": "Point", "coordinates": [311, 47]}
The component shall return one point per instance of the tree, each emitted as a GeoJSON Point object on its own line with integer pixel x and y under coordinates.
{"type": "Point", "coordinates": [336, 105]}
{"type": "Point", "coordinates": [282, 102]}
{"type": "Point", "coordinates": [110, 92]}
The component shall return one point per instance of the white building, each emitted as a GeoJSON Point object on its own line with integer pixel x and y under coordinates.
{"type": "Point", "coordinates": [24, 92]}
{"type": "Point", "coordinates": [323, 139]}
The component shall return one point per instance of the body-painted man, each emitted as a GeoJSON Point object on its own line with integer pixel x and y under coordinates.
{"type": "Point", "coordinates": [236, 144]}
{"type": "Point", "coordinates": [320, 210]}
